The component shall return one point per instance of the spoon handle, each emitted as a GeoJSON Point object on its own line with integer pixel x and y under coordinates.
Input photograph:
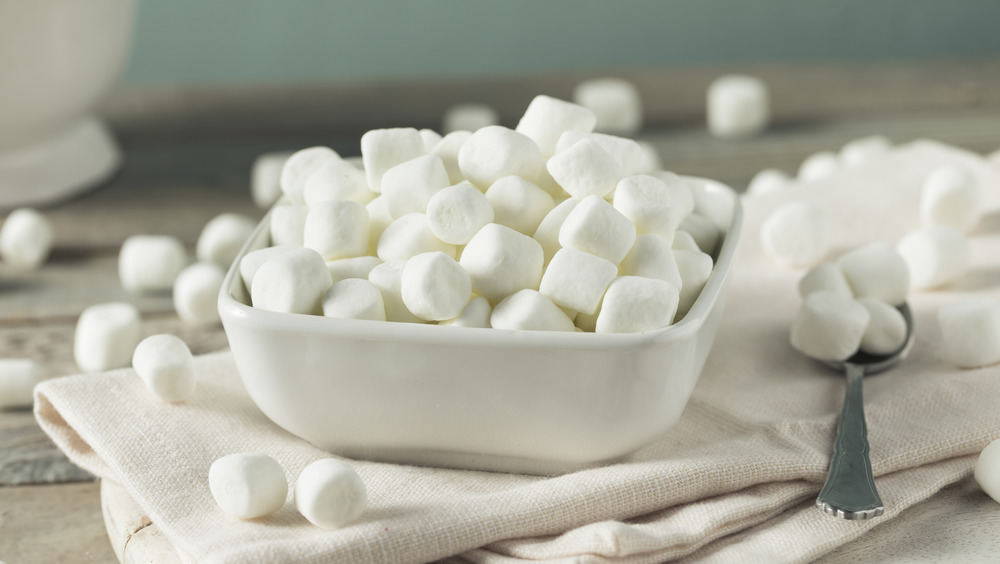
{"type": "Point", "coordinates": [849, 491]}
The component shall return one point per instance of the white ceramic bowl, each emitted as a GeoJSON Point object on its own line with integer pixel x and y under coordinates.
{"type": "Point", "coordinates": [518, 401]}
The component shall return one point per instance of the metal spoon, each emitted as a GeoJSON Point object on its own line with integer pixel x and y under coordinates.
{"type": "Point", "coordinates": [849, 491]}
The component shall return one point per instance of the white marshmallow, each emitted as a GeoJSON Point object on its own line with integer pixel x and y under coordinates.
{"type": "Point", "coordinates": [357, 162]}
{"type": "Point", "coordinates": [818, 166]}
{"type": "Point", "coordinates": [684, 241]}
{"type": "Point", "coordinates": [633, 304]}
{"type": "Point", "coordinates": [222, 238]}
{"type": "Point", "coordinates": [649, 203]}
{"type": "Point", "coordinates": [196, 293]}
{"type": "Point", "coordinates": [336, 179]}
{"type": "Point", "coordinates": [585, 169]}
{"type": "Point", "coordinates": [408, 236]}
{"type": "Point", "coordinates": [408, 186]}
{"type": "Point", "coordinates": [337, 229]}
{"type": "Point", "coordinates": [106, 336]}
{"type": "Point", "coordinates": [547, 233]}
{"type": "Point", "coordinates": [378, 220]}
{"type": "Point", "coordinates": [626, 152]}
{"type": "Point", "coordinates": [886, 331]}
{"type": "Point", "coordinates": [18, 377]}
{"type": "Point", "coordinates": [166, 366]}
{"type": "Point", "coordinates": [387, 277]}
{"type": "Point", "coordinates": [547, 118]}
{"type": "Point", "coordinates": [150, 263]}
{"type": "Point", "coordinates": [519, 204]}
{"type": "Point", "coordinates": [288, 224]}
{"type": "Point", "coordinates": [695, 268]}
{"type": "Point", "coordinates": [829, 326]}
{"type": "Point", "coordinates": [435, 287]}
{"type": "Point", "coordinates": [354, 298]}
{"type": "Point", "coordinates": [475, 314]}
{"type": "Point", "coordinates": [354, 267]}
{"type": "Point", "coordinates": [265, 178]}
{"type": "Point", "coordinates": [330, 494]}
{"type": "Point", "coordinates": [299, 167]}
{"type": "Point", "coordinates": [615, 102]}
{"type": "Point", "coordinates": [651, 257]}
{"type": "Point", "coordinates": [714, 204]}
{"type": "Point", "coordinates": [252, 261]}
{"type": "Point", "coordinates": [577, 280]}
{"type": "Point", "coordinates": [970, 332]}
{"type": "Point", "coordinates": [826, 277]}
{"type": "Point", "coordinates": [649, 158]}
{"type": "Point", "coordinates": [936, 256]}
{"type": "Point", "coordinates": [951, 197]}
{"type": "Point", "coordinates": [738, 106]}
{"type": "Point", "coordinates": [382, 149]}
{"type": "Point", "coordinates": [681, 194]}
{"type": "Point", "coordinates": [768, 181]}
{"type": "Point", "coordinates": [987, 470]}
{"type": "Point", "coordinates": [456, 213]}
{"type": "Point", "coordinates": [797, 234]}
{"type": "Point", "coordinates": [469, 117]}
{"type": "Point", "coordinates": [501, 261]}
{"type": "Point", "coordinates": [876, 271]}
{"type": "Point", "coordinates": [594, 226]}
{"type": "Point", "coordinates": [25, 239]}
{"type": "Point", "coordinates": [248, 485]}
{"type": "Point", "coordinates": [292, 282]}
{"type": "Point", "coordinates": [431, 138]}
{"type": "Point", "coordinates": [528, 310]}
{"type": "Point", "coordinates": [705, 234]}
{"type": "Point", "coordinates": [859, 151]}
{"type": "Point", "coordinates": [448, 149]}
{"type": "Point", "coordinates": [494, 152]}
{"type": "Point", "coordinates": [587, 321]}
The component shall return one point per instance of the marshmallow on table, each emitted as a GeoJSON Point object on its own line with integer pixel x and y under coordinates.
{"type": "Point", "coordinates": [825, 277]}
{"type": "Point", "coordinates": [265, 178]}
{"type": "Point", "coordinates": [518, 204]}
{"type": "Point", "coordinates": [469, 117]}
{"type": "Point", "coordinates": [857, 152]}
{"type": "Point", "coordinates": [649, 158]}
{"type": "Point", "coordinates": [299, 167]}
{"type": "Point", "coordinates": [695, 267]}
{"type": "Point", "coordinates": [529, 310]}
{"type": "Point", "coordinates": [353, 267]}
{"type": "Point", "coordinates": [456, 213]}
{"type": "Point", "coordinates": [633, 304]}
{"type": "Point", "coordinates": [431, 138]}
{"type": "Point", "coordinates": [288, 224]}
{"type": "Point", "coordinates": [25, 239]}
{"type": "Point", "coordinates": [448, 149]}
{"type": "Point", "coordinates": [494, 152]}
{"type": "Point", "coordinates": [886, 331]}
{"type": "Point", "coordinates": [337, 229]}
{"type": "Point", "coordinates": [585, 169]}
{"type": "Point", "coordinates": [18, 377]}
{"type": "Point", "coordinates": [615, 103]}
{"type": "Point", "coordinates": [594, 226]}
{"type": "Point", "coordinates": [818, 166]}
{"type": "Point", "coordinates": [876, 271]}
{"type": "Point", "coordinates": [248, 485]}
{"type": "Point", "coordinates": [705, 234]}
{"type": "Point", "coordinates": [435, 287]}
{"type": "Point", "coordinates": [354, 298]}
{"type": "Point", "coordinates": [336, 179]}
{"type": "Point", "coordinates": [252, 261]}
{"type": "Point", "coordinates": [987, 470]}
{"type": "Point", "coordinates": [935, 256]}
{"type": "Point", "coordinates": [797, 234]}
{"type": "Point", "coordinates": [547, 118]}
{"type": "Point", "coordinates": [829, 326]}
{"type": "Point", "coordinates": [501, 261]}
{"type": "Point", "coordinates": [577, 280]}
{"type": "Point", "coordinates": [408, 186]}
{"type": "Point", "coordinates": [330, 494]}
{"type": "Point", "coordinates": [150, 263]}
{"type": "Point", "coordinates": [684, 241]}
{"type": "Point", "coordinates": [547, 233]}
{"type": "Point", "coordinates": [382, 149]}
{"type": "Point", "coordinates": [196, 293]}
{"type": "Point", "coordinates": [738, 106]}
{"type": "Point", "coordinates": [476, 313]}
{"type": "Point", "coordinates": [970, 332]}
{"type": "Point", "coordinates": [651, 257]}
{"type": "Point", "coordinates": [649, 203]}
{"type": "Point", "coordinates": [626, 152]}
{"type": "Point", "coordinates": [387, 277]}
{"type": "Point", "coordinates": [378, 220]}
{"type": "Point", "coordinates": [166, 366]}
{"type": "Point", "coordinates": [292, 282]}
{"type": "Point", "coordinates": [951, 197]}
{"type": "Point", "coordinates": [768, 181]}
{"type": "Point", "coordinates": [106, 336]}
{"type": "Point", "coordinates": [408, 236]}
{"type": "Point", "coordinates": [222, 238]}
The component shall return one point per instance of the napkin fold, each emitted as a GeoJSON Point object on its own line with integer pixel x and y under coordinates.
{"type": "Point", "coordinates": [735, 479]}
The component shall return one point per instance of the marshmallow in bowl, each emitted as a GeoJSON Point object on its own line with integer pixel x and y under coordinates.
{"type": "Point", "coordinates": [456, 213]}
{"type": "Point", "coordinates": [330, 494]}
{"type": "Point", "coordinates": [252, 261]}
{"type": "Point", "coordinates": [337, 229]}
{"type": "Point", "coordinates": [825, 277]}
{"type": "Point", "coordinates": [408, 236]}
{"type": "Point", "coordinates": [408, 186]}
{"type": "Point", "coordinates": [577, 280]}
{"type": "Point", "coordinates": [633, 304]}
{"type": "Point", "coordinates": [518, 204]}
{"type": "Point", "coordinates": [291, 282]}
{"type": "Point", "coordinates": [431, 139]}
{"type": "Point", "coordinates": [651, 257]}
{"type": "Point", "coordinates": [585, 169]}
{"type": "Point", "coordinates": [299, 167]}
{"type": "Point", "coordinates": [829, 326]}
{"type": "Point", "coordinates": [476, 313]}
{"type": "Point", "coordinates": [649, 158]}
{"type": "Point", "coordinates": [935, 255]}
{"type": "Point", "coordinates": [354, 298]}
{"type": "Point", "coordinates": [387, 277]}
{"type": "Point", "coordinates": [382, 149]}
{"type": "Point", "coordinates": [106, 336]}
{"type": "Point", "coordinates": [288, 224]}
{"type": "Point", "coordinates": [705, 234]}
{"type": "Point", "coordinates": [649, 203]}
{"type": "Point", "coordinates": [222, 238]}
{"type": "Point", "coordinates": [886, 331]}
{"type": "Point", "coordinates": [18, 377]}
{"type": "Point", "coordinates": [25, 239]}
{"type": "Point", "coordinates": [737, 106]}
{"type": "Point", "coordinates": [378, 220]}
{"type": "Point", "coordinates": [626, 152]}
{"type": "Point", "coordinates": [768, 181]}
{"type": "Point", "coordinates": [435, 287]}
{"type": "Point", "coordinates": [448, 148]}
{"type": "Point", "coordinates": [970, 332]}
{"type": "Point", "coordinates": [615, 102]}
{"type": "Point", "coordinates": [596, 227]}
{"type": "Point", "coordinates": [546, 118]}
{"type": "Point", "coordinates": [876, 271]}
{"type": "Point", "coordinates": [150, 263]}
{"type": "Point", "coordinates": [695, 267]}
{"type": "Point", "coordinates": [797, 234]}
{"type": "Point", "coordinates": [247, 485]}
{"type": "Point", "coordinates": [951, 197]}
{"type": "Point", "coordinates": [818, 166]}
{"type": "Point", "coordinates": [501, 261]}
{"type": "Point", "coordinates": [547, 233]}
{"type": "Point", "coordinates": [196, 292]}
{"type": "Point", "coordinates": [166, 366]}
{"type": "Point", "coordinates": [494, 152]}
{"type": "Point", "coordinates": [529, 310]}
{"type": "Point", "coordinates": [684, 241]}
{"type": "Point", "coordinates": [336, 179]}
{"type": "Point", "coordinates": [353, 267]}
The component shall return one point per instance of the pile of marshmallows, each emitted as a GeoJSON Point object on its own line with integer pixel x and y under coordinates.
{"type": "Point", "coordinates": [548, 226]}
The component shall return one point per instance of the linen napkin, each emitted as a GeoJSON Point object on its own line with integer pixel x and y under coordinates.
{"type": "Point", "coordinates": [734, 480]}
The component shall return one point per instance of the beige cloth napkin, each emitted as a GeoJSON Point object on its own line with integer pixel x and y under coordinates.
{"type": "Point", "coordinates": [735, 480]}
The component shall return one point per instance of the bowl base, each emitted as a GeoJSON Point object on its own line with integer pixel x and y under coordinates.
{"type": "Point", "coordinates": [468, 461]}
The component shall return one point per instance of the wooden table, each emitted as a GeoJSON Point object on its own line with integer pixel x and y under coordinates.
{"type": "Point", "coordinates": [178, 174]}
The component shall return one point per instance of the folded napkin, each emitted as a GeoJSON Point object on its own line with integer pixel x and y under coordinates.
{"type": "Point", "coordinates": [734, 480]}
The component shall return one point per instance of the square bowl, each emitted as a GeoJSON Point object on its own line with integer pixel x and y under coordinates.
{"type": "Point", "coordinates": [534, 402]}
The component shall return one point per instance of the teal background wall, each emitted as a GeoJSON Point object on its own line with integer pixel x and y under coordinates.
{"type": "Point", "coordinates": [275, 41]}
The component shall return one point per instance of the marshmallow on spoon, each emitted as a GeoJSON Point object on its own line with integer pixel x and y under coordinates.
{"type": "Point", "coordinates": [594, 226]}
{"type": "Point", "coordinates": [616, 104]}
{"type": "Point", "coordinates": [585, 169]}
{"type": "Point", "coordinates": [408, 186]}
{"type": "Point", "coordinates": [292, 282]}
{"type": "Point", "coordinates": [265, 178]}
{"type": "Point", "coordinates": [876, 271]}
{"type": "Point", "coordinates": [886, 331]}
{"type": "Point", "coordinates": [248, 485]}
{"type": "Point", "coordinates": [577, 280]}
{"type": "Point", "coordinates": [299, 167]}
{"type": "Point", "coordinates": [768, 181]}
{"type": "Point", "coordinates": [797, 234]}
{"type": "Point", "coordinates": [501, 261]}
{"type": "Point", "coordinates": [469, 117]}
{"type": "Point", "coordinates": [25, 239]}
{"type": "Point", "coordinates": [529, 310]}
{"type": "Point", "coordinates": [633, 304]}
{"type": "Point", "coordinates": [825, 277]}
{"type": "Point", "coordinates": [435, 287]}
{"type": "Point", "coordinates": [288, 224]}
{"type": "Point", "coordinates": [408, 236]}
{"type": "Point", "coordinates": [336, 179]}
{"type": "Point", "coordinates": [970, 332]}
{"type": "Point", "coordinates": [354, 298]}
{"type": "Point", "coordinates": [150, 263]}
{"type": "Point", "coordinates": [694, 267]}
{"type": "Point", "coordinates": [387, 277]}
{"type": "Point", "coordinates": [818, 166]}
{"type": "Point", "coordinates": [106, 336]}
{"type": "Point", "coordinates": [456, 213]}
{"type": "Point", "coordinates": [936, 256]}
{"type": "Point", "coordinates": [651, 257]}
{"type": "Point", "coordinates": [475, 314]}
{"type": "Point", "coordinates": [337, 229]}
{"type": "Point", "coordinates": [829, 326]}
{"type": "Point", "coordinates": [951, 197]}
{"type": "Point", "coordinates": [382, 149]}
{"type": "Point", "coordinates": [494, 152]}
{"type": "Point", "coordinates": [738, 106]}
{"type": "Point", "coordinates": [196, 293]}
{"type": "Point", "coordinates": [547, 118]}
{"type": "Point", "coordinates": [166, 366]}
{"type": "Point", "coordinates": [330, 494]}
{"type": "Point", "coordinates": [18, 377]}
{"type": "Point", "coordinates": [519, 204]}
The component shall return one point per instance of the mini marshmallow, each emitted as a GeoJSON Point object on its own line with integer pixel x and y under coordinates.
{"type": "Point", "coordinates": [382, 149]}
{"type": "Point", "coordinates": [633, 304]}
{"type": "Point", "coordinates": [738, 106]}
{"type": "Point", "coordinates": [501, 261]}
{"type": "Point", "coordinates": [299, 167]}
{"type": "Point", "coordinates": [25, 239]}
{"type": "Point", "coordinates": [448, 149]}
{"type": "Point", "coordinates": [222, 238]}
{"type": "Point", "coordinates": [166, 366]}
{"type": "Point", "coordinates": [528, 310]}
{"type": "Point", "coordinates": [951, 197]}
{"type": "Point", "coordinates": [683, 241]}
{"type": "Point", "coordinates": [150, 263]}
{"type": "Point", "coordinates": [649, 203]}
{"type": "Point", "coordinates": [936, 256]}
{"type": "Point", "coordinates": [475, 314]}
{"type": "Point", "coordinates": [248, 485]}
{"type": "Point", "coordinates": [649, 158]}
{"type": "Point", "coordinates": [337, 229]}
{"type": "Point", "coordinates": [354, 298]}
{"type": "Point", "coordinates": [431, 138]}
{"type": "Point", "coordinates": [626, 152]}
{"type": "Point", "coordinates": [494, 152]}
{"type": "Point", "coordinates": [252, 261]}
{"type": "Point", "coordinates": [768, 181]}
{"type": "Point", "coordinates": [876, 271]}
{"type": "Point", "coordinates": [354, 267]}
{"type": "Point", "coordinates": [594, 226]}
{"type": "Point", "coordinates": [288, 224]}
{"type": "Point", "coordinates": [18, 377]}
{"type": "Point", "coordinates": [826, 277]}
{"type": "Point", "coordinates": [336, 179]}
{"type": "Point", "coordinates": [378, 220]}
{"type": "Point", "coordinates": [456, 213]}
{"type": "Point", "coordinates": [547, 118]}
{"type": "Point", "coordinates": [615, 103]}
{"type": "Point", "coordinates": [987, 470]}
{"type": "Point", "coordinates": [587, 321]}
{"type": "Point", "coordinates": [651, 257]}
{"type": "Point", "coordinates": [681, 194]}
{"type": "Point", "coordinates": [408, 236]}
{"type": "Point", "coordinates": [357, 162]}
{"type": "Point", "coordinates": [330, 494]}
{"type": "Point", "coordinates": [435, 287]}
{"type": "Point", "coordinates": [265, 178]}
{"type": "Point", "coordinates": [577, 280]}
{"type": "Point", "coordinates": [695, 267]}
{"type": "Point", "coordinates": [797, 234]}
{"type": "Point", "coordinates": [829, 326]}
{"type": "Point", "coordinates": [196, 292]}
{"type": "Point", "coordinates": [886, 331]}
{"type": "Point", "coordinates": [469, 117]}
{"type": "Point", "coordinates": [818, 166]}
{"type": "Point", "coordinates": [106, 336]}
{"type": "Point", "coordinates": [519, 204]}
{"type": "Point", "coordinates": [705, 234]}
{"type": "Point", "coordinates": [970, 332]}
{"type": "Point", "coordinates": [585, 169]}
{"type": "Point", "coordinates": [387, 277]}
{"type": "Point", "coordinates": [859, 151]}
{"type": "Point", "coordinates": [408, 186]}
{"type": "Point", "coordinates": [292, 282]}
{"type": "Point", "coordinates": [547, 233]}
